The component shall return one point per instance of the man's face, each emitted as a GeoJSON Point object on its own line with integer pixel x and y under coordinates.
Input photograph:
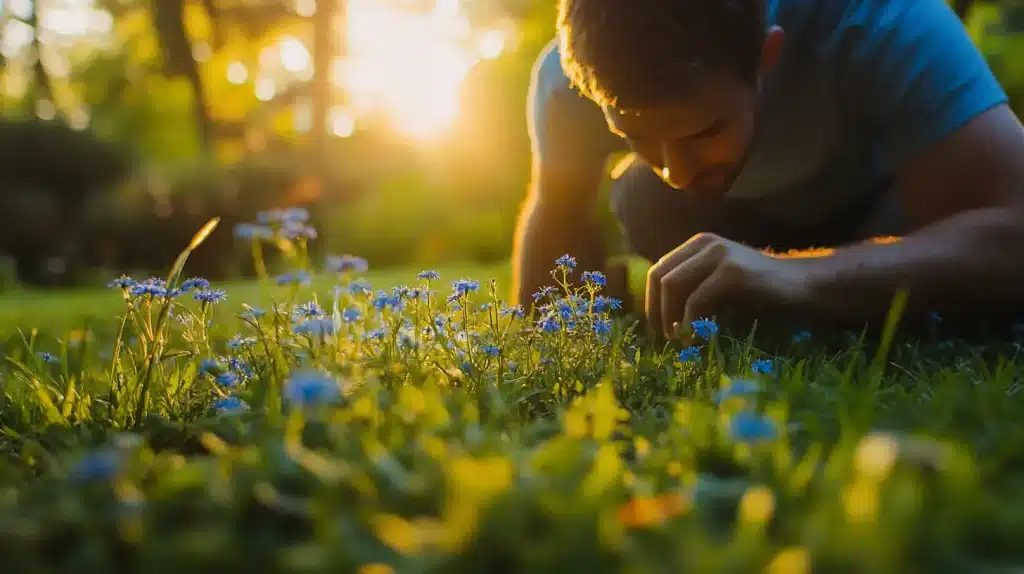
{"type": "Point", "coordinates": [698, 145]}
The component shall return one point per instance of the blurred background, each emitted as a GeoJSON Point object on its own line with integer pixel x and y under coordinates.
{"type": "Point", "coordinates": [400, 125]}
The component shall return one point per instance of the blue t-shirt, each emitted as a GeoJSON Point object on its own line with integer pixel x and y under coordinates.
{"type": "Point", "coordinates": [862, 85]}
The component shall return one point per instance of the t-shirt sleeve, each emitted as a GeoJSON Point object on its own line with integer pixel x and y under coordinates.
{"type": "Point", "coordinates": [916, 74]}
{"type": "Point", "coordinates": [567, 131]}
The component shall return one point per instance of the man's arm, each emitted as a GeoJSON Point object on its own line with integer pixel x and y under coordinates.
{"type": "Point", "coordinates": [550, 224]}
{"type": "Point", "coordinates": [968, 257]}
{"type": "Point", "coordinates": [570, 143]}
{"type": "Point", "coordinates": [958, 154]}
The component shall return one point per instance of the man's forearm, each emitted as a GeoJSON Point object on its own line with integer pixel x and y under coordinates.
{"type": "Point", "coordinates": [543, 235]}
{"type": "Point", "coordinates": [968, 264]}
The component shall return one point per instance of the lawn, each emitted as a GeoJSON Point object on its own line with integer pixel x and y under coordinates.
{"type": "Point", "coordinates": [431, 428]}
{"type": "Point", "coordinates": [58, 309]}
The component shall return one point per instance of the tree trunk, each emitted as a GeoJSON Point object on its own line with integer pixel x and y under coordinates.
{"type": "Point", "coordinates": [169, 18]}
{"type": "Point", "coordinates": [42, 78]}
{"type": "Point", "coordinates": [323, 53]}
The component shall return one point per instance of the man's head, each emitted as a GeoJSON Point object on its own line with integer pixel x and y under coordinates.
{"type": "Point", "coordinates": [678, 79]}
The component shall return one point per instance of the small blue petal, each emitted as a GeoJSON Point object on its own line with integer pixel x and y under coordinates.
{"type": "Point", "coordinates": [763, 366]}
{"type": "Point", "coordinates": [750, 427]}
{"type": "Point", "coordinates": [308, 388]}
{"type": "Point", "coordinates": [691, 353]}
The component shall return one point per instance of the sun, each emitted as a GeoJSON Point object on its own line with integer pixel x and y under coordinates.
{"type": "Point", "coordinates": [410, 65]}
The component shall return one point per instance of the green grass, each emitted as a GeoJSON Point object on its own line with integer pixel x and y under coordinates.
{"type": "Point", "coordinates": [58, 309]}
{"type": "Point", "coordinates": [467, 440]}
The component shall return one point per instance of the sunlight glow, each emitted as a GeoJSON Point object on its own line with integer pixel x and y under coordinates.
{"type": "Point", "coordinates": [343, 124]}
{"type": "Point", "coordinates": [411, 65]}
{"type": "Point", "coordinates": [294, 56]}
{"type": "Point", "coordinates": [403, 60]}
{"type": "Point", "coordinates": [265, 89]}
{"type": "Point", "coordinates": [237, 73]}
{"type": "Point", "coordinates": [305, 8]}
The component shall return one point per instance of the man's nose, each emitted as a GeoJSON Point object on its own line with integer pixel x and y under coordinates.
{"type": "Point", "coordinates": [678, 165]}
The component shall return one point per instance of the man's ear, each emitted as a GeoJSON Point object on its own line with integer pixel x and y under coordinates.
{"type": "Point", "coordinates": [771, 52]}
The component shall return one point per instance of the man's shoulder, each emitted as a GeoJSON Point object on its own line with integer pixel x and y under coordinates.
{"type": "Point", "coordinates": [834, 26]}
{"type": "Point", "coordinates": [548, 76]}
{"type": "Point", "coordinates": [560, 116]}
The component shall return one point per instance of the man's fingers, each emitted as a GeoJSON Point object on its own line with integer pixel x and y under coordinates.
{"type": "Point", "coordinates": [690, 248]}
{"type": "Point", "coordinates": [652, 299]}
{"type": "Point", "coordinates": [706, 299]}
{"type": "Point", "coordinates": [680, 283]}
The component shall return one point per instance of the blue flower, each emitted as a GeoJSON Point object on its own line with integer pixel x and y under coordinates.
{"type": "Point", "coordinates": [465, 286]}
{"type": "Point", "coordinates": [294, 278]}
{"type": "Point", "coordinates": [548, 324]}
{"type": "Point", "coordinates": [491, 350]}
{"type": "Point", "coordinates": [516, 311]}
{"type": "Point", "coordinates": [211, 296]}
{"type": "Point", "coordinates": [250, 231]}
{"type": "Point", "coordinates": [295, 215]}
{"type": "Point", "coordinates": [297, 230]}
{"type": "Point", "coordinates": [346, 264]}
{"type": "Point", "coordinates": [429, 275]}
{"type": "Point", "coordinates": [48, 358]}
{"type": "Point", "coordinates": [602, 327]}
{"type": "Point", "coordinates": [240, 367]}
{"type": "Point", "coordinates": [566, 262]}
{"type": "Point", "coordinates": [382, 301]}
{"type": "Point", "coordinates": [252, 313]}
{"type": "Point", "coordinates": [152, 287]}
{"type": "Point", "coordinates": [750, 427]}
{"type": "Point", "coordinates": [270, 216]}
{"type": "Point", "coordinates": [691, 353]}
{"type": "Point", "coordinates": [310, 309]}
{"type": "Point", "coordinates": [801, 336]}
{"type": "Point", "coordinates": [737, 388]}
{"type": "Point", "coordinates": [360, 287]}
{"type": "Point", "coordinates": [317, 327]}
{"type": "Point", "coordinates": [763, 366]}
{"type": "Point", "coordinates": [309, 388]}
{"type": "Point", "coordinates": [122, 282]}
{"type": "Point", "coordinates": [602, 303]}
{"type": "Point", "coordinates": [210, 366]}
{"type": "Point", "coordinates": [194, 283]}
{"type": "Point", "coordinates": [238, 342]}
{"type": "Point", "coordinates": [374, 335]}
{"type": "Point", "coordinates": [227, 379]}
{"type": "Point", "coordinates": [230, 405]}
{"type": "Point", "coordinates": [351, 314]}
{"type": "Point", "coordinates": [565, 308]}
{"type": "Point", "coordinates": [705, 328]}
{"type": "Point", "coordinates": [595, 278]}
{"type": "Point", "coordinates": [100, 465]}
{"type": "Point", "coordinates": [406, 340]}
{"type": "Point", "coordinates": [544, 292]}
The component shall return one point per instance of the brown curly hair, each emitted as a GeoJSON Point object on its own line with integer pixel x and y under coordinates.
{"type": "Point", "coordinates": [636, 53]}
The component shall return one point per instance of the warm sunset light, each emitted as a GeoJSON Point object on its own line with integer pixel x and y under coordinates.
{"type": "Point", "coordinates": [410, 65]}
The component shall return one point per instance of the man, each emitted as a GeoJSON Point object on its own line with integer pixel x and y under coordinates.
{"type": "Point", "coordinates": [762, 126]}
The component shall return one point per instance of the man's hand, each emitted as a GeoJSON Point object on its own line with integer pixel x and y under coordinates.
{"type": "Point", "coordinates": [709, 273]}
